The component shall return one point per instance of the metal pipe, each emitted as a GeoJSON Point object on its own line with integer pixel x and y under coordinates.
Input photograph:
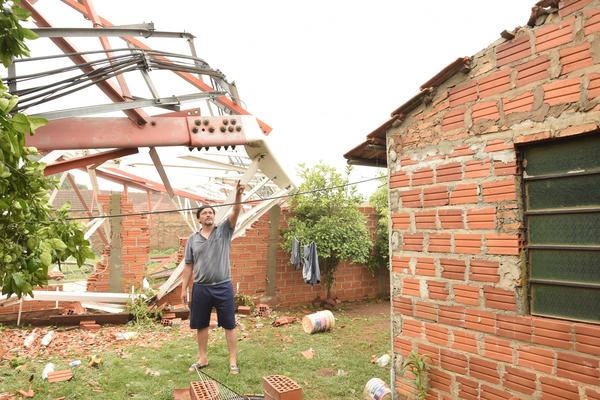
{"type": "Point", "coordinates": [554, 282]}
{"type": "Point", "coordinates": [563, 247]}
{"type": "Point", "coordinates": [563, 175]}
{"type": "Point", "coordinates": [108, 32]}
{"type": "Point", "coordinates": [566, 210]}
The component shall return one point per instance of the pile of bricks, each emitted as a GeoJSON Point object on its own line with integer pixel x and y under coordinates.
{"type": "Point", "coordinates": [98, 280]}
{"type": "Point", "coordinates": [89, 325]}
{"type": "Point", "coordinates": [170, 319]}
{"type": "Point", "coordinates": [244, 310]}
{"type": "Point", "coordinates": [280, 387]}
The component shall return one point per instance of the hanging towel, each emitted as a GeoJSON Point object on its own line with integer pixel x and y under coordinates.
{"type": "Point", "coordinates": [296, 257]}
{"type": "Point", "coordinates": [310, 271]}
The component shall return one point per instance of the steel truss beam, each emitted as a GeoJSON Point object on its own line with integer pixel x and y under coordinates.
{"type": "Point", "coordinates": [198, 83]}
{"type": "Point", "coordinates": [137, 116]}
{"type": "Point", "coordinates": [99, 133]}
{"type": "Point", "coordinates": [85, 161]}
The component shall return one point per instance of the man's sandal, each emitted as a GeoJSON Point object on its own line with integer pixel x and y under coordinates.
{"type": "Point", "coordinates": [197, 366]}
{"type": "Point", "coordinates": [234, 369]}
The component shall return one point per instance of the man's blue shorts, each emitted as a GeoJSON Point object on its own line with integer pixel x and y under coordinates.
{"type": "Point", "coordinates": [205, 297]}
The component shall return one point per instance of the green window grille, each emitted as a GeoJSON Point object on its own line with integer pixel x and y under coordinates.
{"type": "Point", "coordinates": [562, 207]}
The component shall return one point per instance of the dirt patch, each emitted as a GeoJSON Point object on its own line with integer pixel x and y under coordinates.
{"type": "Point", "coordinates": [366, 308]}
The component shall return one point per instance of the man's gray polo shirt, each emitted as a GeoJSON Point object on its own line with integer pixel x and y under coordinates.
{"type": "Point", "coordinates": [210, 257]}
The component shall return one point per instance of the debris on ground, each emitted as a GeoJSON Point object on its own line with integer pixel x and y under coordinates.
{"type": "Point", "coordinates": [284, 321]}
{"type": "Point", "coordinates": [47, 369]}
{"type": "Point", "coordinates": [125, 335]}
{"type": "Point", "coordinates": [47, 338]}
{"type": "Point", "coordinates": [382, 361]}
{"type": "Point", "coordinates": [29, 393]}
{"type": "Point", "coordinates": [28, 342]}
{"type": "Point", "coordinates": [60, 376]}
{"type": "Point", "coordinates": [95, 361]}
{"type": "Point", "coordinates": [152, 372]}
{"type": "Point", "coordinates": [244, 310]}
{"type": "Point", "coordinates": [326, 372]}
{"type": "Point", "coordinates": [263, 310]}
{"type": "Point", "coordinates": [73, 342]}
{"type": "Point", "coordinates": [308, 354]}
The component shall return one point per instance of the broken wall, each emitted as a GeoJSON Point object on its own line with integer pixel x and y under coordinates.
{"type": "Point", "coordinates": [460, 293]}
{"type": "Point", "coordinates": [132, 235]}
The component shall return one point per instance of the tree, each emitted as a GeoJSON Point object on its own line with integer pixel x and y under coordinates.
{"type": "Point", "coordinates": [380, 257]}
{"type": "Point", "coordinates": [32, 235]}
{"type": "Point", "coordinates": [328, 214]}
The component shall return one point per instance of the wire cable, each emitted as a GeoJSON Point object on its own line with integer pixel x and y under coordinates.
{"type": "Point", "coordinates": [226, 204]}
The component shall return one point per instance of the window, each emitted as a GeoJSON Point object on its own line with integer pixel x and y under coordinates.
{"type": "Point", "coordinates": [562, 208]}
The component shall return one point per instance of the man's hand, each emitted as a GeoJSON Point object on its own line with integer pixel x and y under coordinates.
{"type": "Point", "coordinates": [239, 188]}
{"type": "Point", "coordinates": [184, 297]}
{"type": "Point", "coordinates": [237, 207]}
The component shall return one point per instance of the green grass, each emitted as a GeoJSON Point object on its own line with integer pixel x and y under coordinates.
{"type": "Point", "coordinates": [339, 370]}
{"type": "Point", "coordinates": [163, 252]}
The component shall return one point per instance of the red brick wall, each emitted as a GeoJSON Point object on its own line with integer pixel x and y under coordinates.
{"type": "Point", "coordinates": [249, 270]}
{"type": "Point", "coordinates": [458, 271]}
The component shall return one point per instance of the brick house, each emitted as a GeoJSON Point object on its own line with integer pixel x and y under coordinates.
{"type": "Point", "coordinates": [494, 177]}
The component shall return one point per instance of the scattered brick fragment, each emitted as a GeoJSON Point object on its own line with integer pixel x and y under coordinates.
{"type": "Point", "coordinates": [60, 376]}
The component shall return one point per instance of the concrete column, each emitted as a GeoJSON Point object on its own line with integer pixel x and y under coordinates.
{"type": "Point", "coordinates": [115, 262]}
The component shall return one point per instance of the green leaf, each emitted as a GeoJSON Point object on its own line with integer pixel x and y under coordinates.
{"type": "Point", "coordinates": [46, 259]}
{"type": "Point", "coordinates": [6, 59]}
{"type": "Point", "coordinates": [18, 280]}
{"type": "Point", "coordinates": [12, 103]}
{"type": "Point", "coordinates": [4, 103]}
{"type": "Point", "coordinates": [36, 122]}
{"type": "Point", "coordinates": [20, 123]}
{"type": "Point", "coordinates": [32, 243]}
{"type": "Point", "coordinates": [28, 33]}
{"type": "Point", "coordinates": [57, 244]}
{"type": "Point", "coordinates": [20, 13]}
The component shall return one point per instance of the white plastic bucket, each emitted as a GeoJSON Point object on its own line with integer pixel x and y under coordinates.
{"type": "Point", "coordinates": [321, 321]}
{"type": "Point", "coordinates": [376, 389]}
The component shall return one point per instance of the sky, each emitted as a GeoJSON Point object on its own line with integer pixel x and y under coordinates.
{"type": "Point", "coordinates": [323, 74]}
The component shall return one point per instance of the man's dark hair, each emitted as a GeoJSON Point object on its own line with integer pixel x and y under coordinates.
{"type": "Point", "coordinates": [204, 207]}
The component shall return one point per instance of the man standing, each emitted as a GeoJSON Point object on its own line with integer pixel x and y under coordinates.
{"type": "Point", "coordinates": [208, 272]}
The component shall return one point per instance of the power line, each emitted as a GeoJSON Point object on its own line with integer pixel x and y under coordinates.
{"type": "Point", "coordinates": [225, 204]}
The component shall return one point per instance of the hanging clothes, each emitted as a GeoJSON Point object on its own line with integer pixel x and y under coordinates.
{"type": "Point", "coordinates": [296, 257]}
{"type": "Point", "coordinates": [310, 260]}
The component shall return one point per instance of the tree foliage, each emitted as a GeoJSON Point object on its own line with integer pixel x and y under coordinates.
{"type": "Point", "coordinates": [380, 257]}
{"type": "Point", "coordinates": [331, 218]}
{"type": "Point", "coordinates": [32, 235]}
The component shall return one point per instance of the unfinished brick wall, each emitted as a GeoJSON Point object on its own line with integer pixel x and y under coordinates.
{"type": "Point", "coordinates": [458, 271]}
{"type": "Point", "coordinates": [249, 270]}
{"type": "Point", "coordinates": [135, 247]}
{"type": "Point", "coordinates": [352, 281]}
